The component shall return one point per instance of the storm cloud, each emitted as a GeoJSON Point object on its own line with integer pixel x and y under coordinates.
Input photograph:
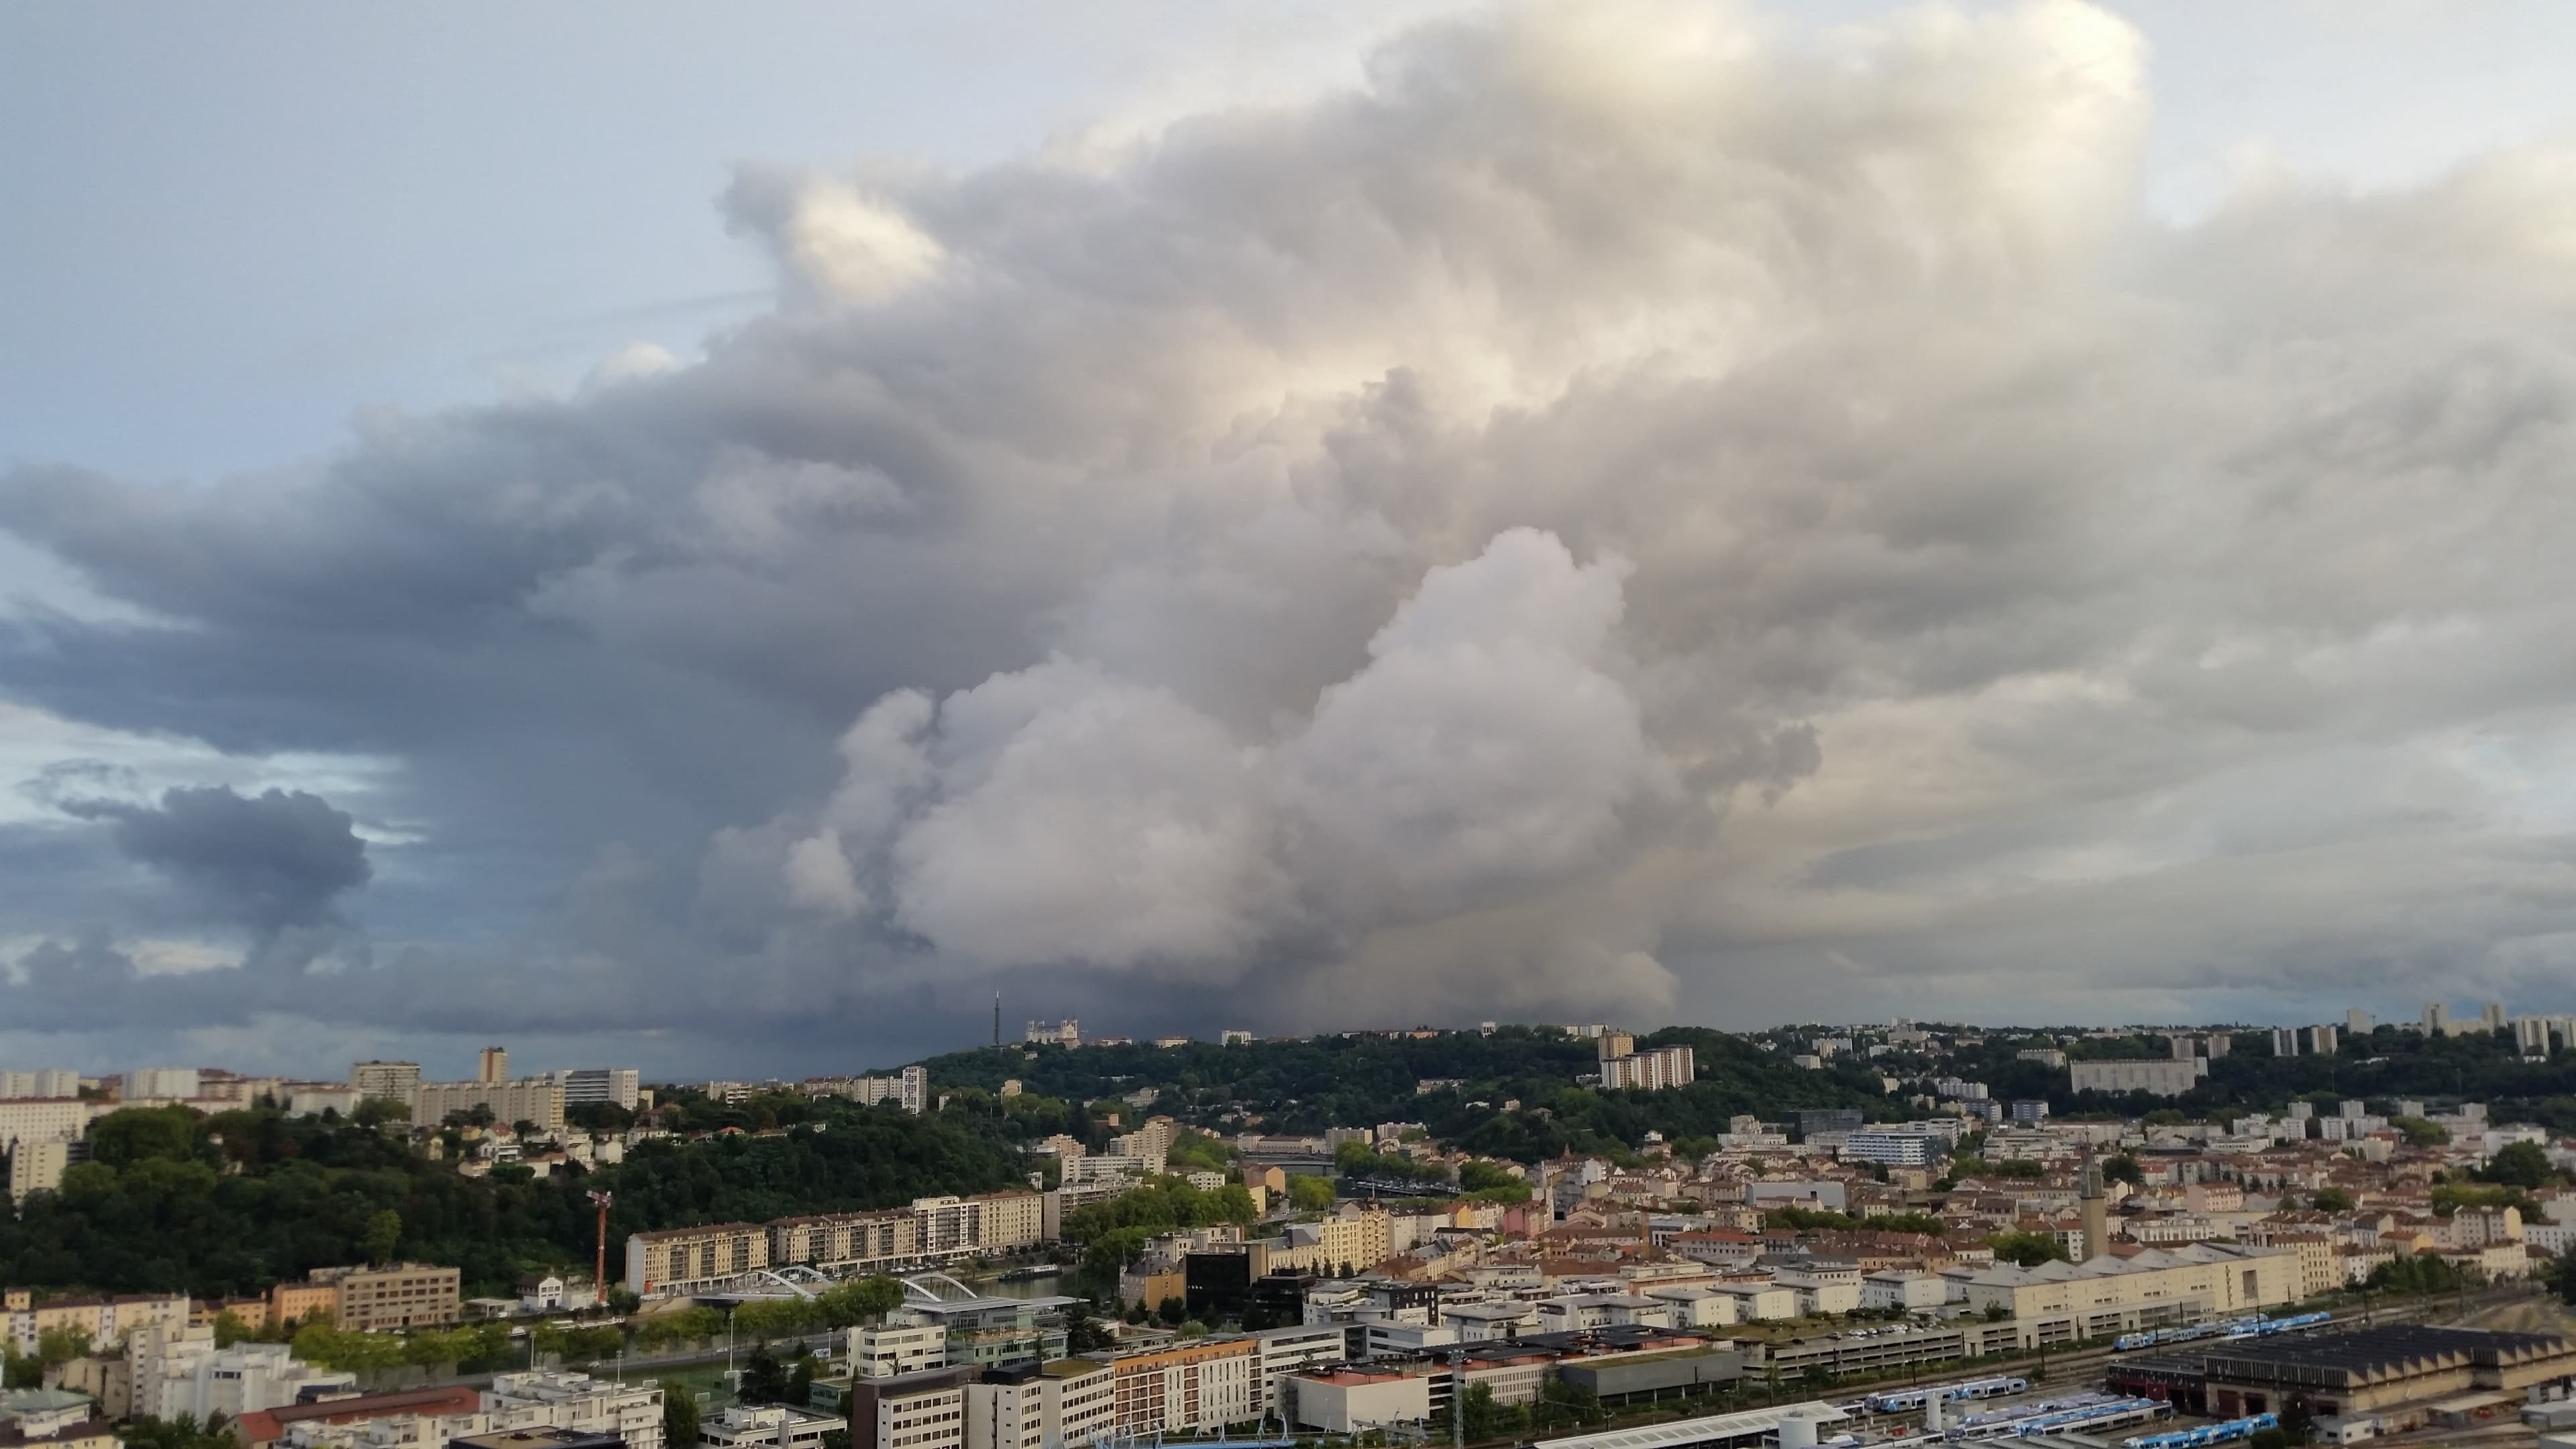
{"type": "Point", "coordinates": [1617, 514]}
{"type": "Point", "coordinates": [270, 861]}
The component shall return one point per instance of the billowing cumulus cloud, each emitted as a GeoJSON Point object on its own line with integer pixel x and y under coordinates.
{"type": "Point", "coordinates": [1618, 513]}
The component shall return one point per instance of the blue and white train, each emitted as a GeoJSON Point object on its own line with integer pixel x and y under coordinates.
{"type": "Point", "coordinates": [1905, 1401]}
{"type": "Point", "coordinates": [2253, 1326]}
{"type": "Point", "coordinates": [2221, 1433]}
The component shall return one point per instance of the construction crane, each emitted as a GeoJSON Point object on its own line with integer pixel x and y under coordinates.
{"type": "Point", "coordinates": [599, 1273]}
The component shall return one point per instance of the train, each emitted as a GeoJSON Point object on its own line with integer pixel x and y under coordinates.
{"type": "Point", "coordinates": [2081, 1411]}
{"type": "Point", "coordinates": [2220, 1433]}
{"type": "Point", "coordinates": [1904, 1401]}
{"type": "Point", "coordinates": [2251, 1326]}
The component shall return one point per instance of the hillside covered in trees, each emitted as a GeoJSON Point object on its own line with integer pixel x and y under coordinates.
{"type": "Point", "coordinates": [1363, 1079]}
{"type": "Point", "coordinates": [232, 1203]}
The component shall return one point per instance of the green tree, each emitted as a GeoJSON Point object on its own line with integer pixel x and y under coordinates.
{"type": "Point", "coordinates": [2420, 1133]}
{"type": "Point", "coordinates": [2333, 1200]}
{"type": "Point", "coordinates": [2520, 1164]}
{"type": "Point", "coordinates": [1310, 1194]}
{"type": "Point", "coordinates": [2123, 1168]}
{"type": "Point", "coordinates": [229, 1329]}
{"type": "Point", "coordinates": [384, 1231]}
{"type": "Point", "coordinates": [2028, 1250]}
{"type": "Point", "coordinates": [184, 1432]}
{"type": "Point", "coordinates": [139, 1134]}
{"type": "Point", "coordinates": [61, 1343]}
{"type": "Point", "coordinates": [863, 1300]}
{"type": "Point", "coordinates": [2560, 1274]}
{"type": "Point", "coordinates": [800, 1381]}
{"type": "Point", "coordinates": [679, 1416]}
{"type": "Point", "coordinates": [764, 1378]}
{"type": "Point", "coordinates": [1083, 1333]}
{"type": "Point", "coordinates": [377, 1111]}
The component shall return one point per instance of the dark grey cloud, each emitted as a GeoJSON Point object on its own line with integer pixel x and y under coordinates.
{"type": "Point", "coordinates": [267, 862]}
{"type": "Point", "coordinates": [1615, 514]}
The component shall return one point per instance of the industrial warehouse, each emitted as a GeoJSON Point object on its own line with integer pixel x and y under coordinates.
{"type": "Point", "coordinates": [2364, 1383]}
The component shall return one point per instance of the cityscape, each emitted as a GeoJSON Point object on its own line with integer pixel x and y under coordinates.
{"type": "Point", "coordinates": [1288, 724]}
{"type": "Point", "coordinates": [1874, 1229]}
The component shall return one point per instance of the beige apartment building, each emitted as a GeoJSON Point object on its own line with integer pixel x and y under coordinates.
{"type": "Point", "coordinates": [105, 1321]}
{"type": "Point", "coordinates": [402, 1295]}
{"type": "Point", "coordinates": [303, 1302]}
{"type": "Point", "coordinates": [536, 1099]}
{"type": "Point", "coordinates": [2060, 1302]}
{"type": "Point", "coordinates": [848, 1242]}
{"type": "Point", "coordinates": [932, 1229]}
{"type": "Point", "coordinates": [1194, 1386]}
{"type": "Point", "coordinates": [686, 1260]}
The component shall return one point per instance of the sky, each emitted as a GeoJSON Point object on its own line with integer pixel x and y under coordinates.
{"type": "Point", "coordinates": [720, 542]}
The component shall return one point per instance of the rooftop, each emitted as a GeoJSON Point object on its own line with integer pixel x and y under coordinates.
{"type": "Point", "coordinates": [2378, 1354]}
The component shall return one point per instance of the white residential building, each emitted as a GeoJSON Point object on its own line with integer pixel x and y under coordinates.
{"type": "Point", "coordinates": [881, 1351]}
{"type": "Point", "coordinates": [619, 1086]}
{"type": "Point", "coordinates": [1654, 1070]}
{"type": "Point", "coordinates": [161, 1084]}
{"type": "Point", "coordinates": [1823, 1285]}
{"type": "Point", "coordinates": [770, 1426]}
{"type": "Point", "coordinates": [631, 1411]}
{"type": "Point", "coordinates": [43, 1082]}
{"type": "Point", "coordinates": [1895, 1288]}
{"type": "Point", "coordinates": [180, 1371]}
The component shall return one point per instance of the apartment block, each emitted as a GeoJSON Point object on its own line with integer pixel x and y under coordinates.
{"type": "Point", "coordinates": [631, 1411]}
{"type": "Point", "coordinates": [924, 1410]}
{"type": "Point", "coordinates": [43, 1082]}
{"type": "Point", "coordinates": [178, 1370]}
{"type": "Point", "coordinates": [769, 1426]}
{"type": "Point", "coordinates": [1280, 1353]}
{"type": "Point", "coordinates": [37, 1165]}
{"type": "Point", "coordinates": [303, 1302]}
{"type": "Point", "coordinates": [1194, 1386]}
{"type": "Point", "coordinates": [845, 1243]}
{"type": "Point", "coordinates": [538, 1099]}
{"type": "Point", "coordinates": [683, 1260]}
{"type": "Point", "coordinates": [2156, 1078]}
{"type": "Point", "coordinates": [892, 1350]}
{"type": "Point", "coordinates": [617, 1086]}
{"type": "Point", "coordinates": [680, 1261]}
{"type": "Point", "coordinates": [1652, 1071]}
{"type": "Point", "coordinates": [1070, 1402]}
{"type": "Point", "coordinates": [106, 1320]}
{"type": "Point", "coordinates": [392, 1081]}
{"type": "Point", "coordinates": [45, 1119]}
{"type": "Point", "coordinates": [492, 1066]}
{"type": "Point", "coordinates": [402, 1295]}
{"type": "Point", "coordinates": [161, 1084]}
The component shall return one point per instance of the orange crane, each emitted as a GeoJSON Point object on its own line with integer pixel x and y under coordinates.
{"type": "Point", "coordinates": [599, 1273]}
